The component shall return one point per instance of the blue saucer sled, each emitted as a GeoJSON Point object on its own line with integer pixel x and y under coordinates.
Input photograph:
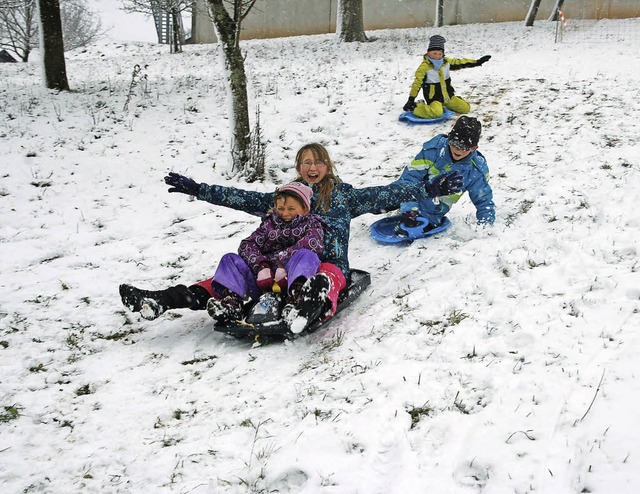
{"type": "Point", "coordinates": [391, 230]}
{"type": "Point", "coordinates": [410, 118]}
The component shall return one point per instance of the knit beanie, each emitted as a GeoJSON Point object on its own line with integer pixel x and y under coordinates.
{"type": "Point", "coordinates": [436, 42]}
{"type": "Point", "coordinates": [300, 190]}
{"type": "Point", "coordinates": [465, 133]}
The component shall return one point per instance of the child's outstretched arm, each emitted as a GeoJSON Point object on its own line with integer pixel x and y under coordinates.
{"type": "Point", "coordinates": [465, 63]}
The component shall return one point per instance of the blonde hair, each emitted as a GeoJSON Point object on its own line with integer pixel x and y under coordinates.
{"type": "Point", "coordinates": [327, 183]}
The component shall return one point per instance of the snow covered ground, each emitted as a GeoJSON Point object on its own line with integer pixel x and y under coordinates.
{"type": "Point", "coordinates": [498, 360]}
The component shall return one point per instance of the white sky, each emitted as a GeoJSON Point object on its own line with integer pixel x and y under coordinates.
{"type": "Point", "coordinates": [123, 26]}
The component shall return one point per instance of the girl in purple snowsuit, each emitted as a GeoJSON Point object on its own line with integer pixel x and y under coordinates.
{"type": "Point", "coordinates": [281, 254]}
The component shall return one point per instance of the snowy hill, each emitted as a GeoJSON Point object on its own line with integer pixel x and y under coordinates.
{"type": "Point", "coordinates": [482, 360]}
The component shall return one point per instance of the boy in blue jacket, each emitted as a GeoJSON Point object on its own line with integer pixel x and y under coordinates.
{"type": "Point", "coordinates": [456, 151]}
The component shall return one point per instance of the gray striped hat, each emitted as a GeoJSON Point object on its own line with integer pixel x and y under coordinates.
{"type": "Point", "coordinates": [436, 42]}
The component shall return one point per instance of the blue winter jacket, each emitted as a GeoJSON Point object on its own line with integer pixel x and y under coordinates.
{"type": "Point", "coordinates": [434, 159]}
{"type": "Point", "coordinates": [347, 202]}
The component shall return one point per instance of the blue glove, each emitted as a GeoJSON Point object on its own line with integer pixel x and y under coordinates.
{"type": "Point", "coordinates": [180, 183]}
{"type": "Point", "coordinates": [445, 184]}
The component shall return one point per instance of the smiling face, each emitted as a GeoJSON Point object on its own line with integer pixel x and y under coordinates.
{"type": "Point", "coordinates": [459, 154]}
{"type": "Point", "coordinates": [289, 207]}
{"type": "Point", "coordinates": [311, 168]}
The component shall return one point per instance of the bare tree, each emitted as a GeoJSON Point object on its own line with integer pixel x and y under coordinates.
{"type": "Point", "coordinates": [439, 14]}
{"type": "Point", "coordinates": [18, 26]}
{"type": "Point", "coordinates": [227, 30]}
{"type": "Point", "coordinates": [350, 21]}
{"type": "Point", "coordinates": [173, 8]}
{"type": "Point", "coordinates": [531, 15]}
{"type": "Point", "coordinates": [52, 45]}
{"type": "Point", "coordinates": [80, 25]}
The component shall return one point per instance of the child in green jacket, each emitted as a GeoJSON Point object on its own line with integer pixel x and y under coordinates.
{"type": "Point", "coordinates": [434, 79]}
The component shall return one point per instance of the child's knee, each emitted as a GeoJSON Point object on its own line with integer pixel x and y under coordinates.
{"type": "Point", "coordinates": [433, 110]}
{"type": "Point", "coordinates": [458, 105]}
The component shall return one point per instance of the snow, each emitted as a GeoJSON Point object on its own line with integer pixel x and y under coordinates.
{"type": "Point", "coordinates": [486, 360]}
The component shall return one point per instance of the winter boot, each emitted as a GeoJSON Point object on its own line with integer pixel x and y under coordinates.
{"type": "Point", "coordinates": [229, 308]}
{"type": "Point", "coordinates": [151, 304]}
{"type": "Point", "coordinates": [199, 297]}
{"type": "Point", "coordinates": [313, 302]}
{"type": "Point", "coordinates": [293, 296]}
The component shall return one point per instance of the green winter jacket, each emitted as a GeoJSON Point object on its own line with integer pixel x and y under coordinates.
{"type": "Point", "coordinates": [436, 84]}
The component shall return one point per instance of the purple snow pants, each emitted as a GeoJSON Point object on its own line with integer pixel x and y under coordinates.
{"type": "Point", "coordinates": [234, 274]}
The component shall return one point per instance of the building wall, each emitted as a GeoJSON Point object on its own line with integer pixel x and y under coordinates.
{"type": "Point", "coordinates": [281, 18]}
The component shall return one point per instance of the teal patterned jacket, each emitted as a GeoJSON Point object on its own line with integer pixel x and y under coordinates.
{"type": "Point", "coordinates": [347, 202]}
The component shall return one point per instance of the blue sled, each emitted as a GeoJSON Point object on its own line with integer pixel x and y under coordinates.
{"type": "Point", "coordinates": [391, 230]}
{"type": "Point", "coordinates": [410, 118]}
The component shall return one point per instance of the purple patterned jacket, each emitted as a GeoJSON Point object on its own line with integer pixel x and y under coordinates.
{"type": "Point", "coordinates": [276, 240]}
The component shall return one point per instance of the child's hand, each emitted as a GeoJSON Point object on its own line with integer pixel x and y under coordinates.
{"type": "Point", "coordinates": [410, 104]}
{"type": "Point", "coordinates": [445, 184]}
{"type": "Point", "coordinates": [281, 277]}
{"type": "Point", "coordinates": [483, 59]}
{"type": "Point", "coordinates": [180, 183]}
{"type": "Point", "coordinates": [264, 280]}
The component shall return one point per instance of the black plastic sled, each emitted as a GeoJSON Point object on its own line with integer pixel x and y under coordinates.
{"type": "Point", "coordinates": [264, 322]}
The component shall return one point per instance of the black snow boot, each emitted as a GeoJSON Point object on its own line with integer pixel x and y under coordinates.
{"type": "Point", "coordinates": [312, 303]}
{"type": "Point", "coordinates": [151, 304]}
{"type": "Point", "coordinates": [199, 297]}
{"type": "Point", "coordinates": [227, 309]}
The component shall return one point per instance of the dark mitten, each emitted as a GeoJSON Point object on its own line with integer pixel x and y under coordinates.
{"type": "Point", "coordinates": [180, 183]}
{"type": "Point", "coordinates": [410, 104]}
{"type": "Point", "coordinates": [445, 184]}
{"type": "Point", "coordinates": [483, 59]}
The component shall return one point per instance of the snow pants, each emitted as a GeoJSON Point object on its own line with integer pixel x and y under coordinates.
{"type": "Point", "coordinates": [435, 109]}
{"type": "Point", "coordinates": [233, 274]}
{"type": "Point", "coordinates": [337, 283]}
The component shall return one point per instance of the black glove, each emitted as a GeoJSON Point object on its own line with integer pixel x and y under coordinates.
{"type": "Point", "coordinates": [180, 183]}
{"type": "Point", "coordinates": [410, 104]}
{"type": "Point", "coordinates": [483, 59]}
{"type": "Point", "coordinates": [445, 184]}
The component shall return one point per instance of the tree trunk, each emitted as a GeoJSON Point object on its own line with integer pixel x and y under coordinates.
{"type": "Point", "coordinates": [350, 21]}
{"type": "Point", "coordinates": [176, 32]}
{"type": "Point", "coordinates": [556, 8]}
{"type": "Point", "coordinates": [531, 15]}
{"type": "Point", "coordinates": [226, 31]}
{"type": "Point", "coordinates": [52, 46]}
{"type": "Point", "coordinates": [439, 13]}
